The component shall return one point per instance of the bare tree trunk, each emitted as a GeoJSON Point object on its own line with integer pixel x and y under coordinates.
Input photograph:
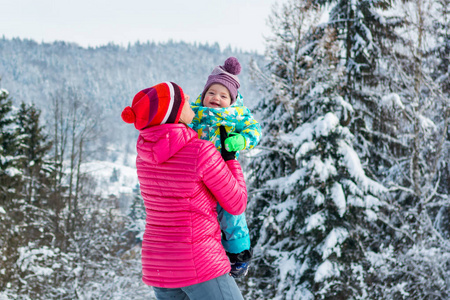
{"type": "Point", "coordinates": [418, 79]}
{"type": "Point", "coordinates": [348, 58]}
{"type": "Point", "coordinates": [59, 140]}
{"type": "Point", "coordinates": [78, 179]}
{"type": "Point", "coordinates": [74, 122]}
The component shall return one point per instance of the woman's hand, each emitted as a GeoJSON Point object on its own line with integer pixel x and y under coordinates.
{"type": "Point", "coordinates": [226, 155]}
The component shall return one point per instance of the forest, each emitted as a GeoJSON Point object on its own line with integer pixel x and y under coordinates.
{"type": "Point", "coordinates": [348, 188]}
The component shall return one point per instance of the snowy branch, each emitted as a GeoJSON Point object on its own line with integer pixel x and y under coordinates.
{"type": "Point", "coordinates": [277, 150]}
{"type": "Point", "coordinates": [436, 186]}
{"type": "Point", "coordinates": [254, 191]}
{"type": "Point", "coordinates": [397, 229]}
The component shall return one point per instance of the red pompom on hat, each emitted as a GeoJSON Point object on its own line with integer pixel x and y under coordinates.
{"type": "Point", "coordinates": [128, 115]}
{"type": "Point", "coordinates": [159, 104]}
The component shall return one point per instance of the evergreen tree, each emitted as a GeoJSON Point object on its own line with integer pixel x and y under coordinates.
{"type": "Point", "coordinates": [441, 75]}
{"type": "Point", "coordinates": [28, 228]}
{"type": "Point", "coordinates": [416, 172]}
{"type": "Point", "coordinates": [137, 208]}
{"type": "Point", "coordinates": [10, 185]}
{"type": "Point", "coordinates": [33, 151]}
{"type": "Point", "coordinates": [359, 26]}
{"type": "Point", "coordinates": [312, 205]}
{"type": "Point", "coordinates": [367, 35]}
{"type": "Point", "coordinates": [10, 175]}
{"type": "Point", "coordinates": [138, 216]}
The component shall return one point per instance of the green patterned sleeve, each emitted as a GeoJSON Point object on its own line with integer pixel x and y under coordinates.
{"type": "Point", "coordinates": [250, 129]}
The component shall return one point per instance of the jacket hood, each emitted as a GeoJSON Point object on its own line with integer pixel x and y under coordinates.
{"type": "Point", "coordinates": [157, 144]}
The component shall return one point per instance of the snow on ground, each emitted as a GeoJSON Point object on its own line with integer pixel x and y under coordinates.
{"type": "Point", "coordinates": [113, 178]}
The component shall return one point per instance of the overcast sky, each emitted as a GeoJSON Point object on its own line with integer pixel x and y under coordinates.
{"type": "Point", "coordinates": [241, 24]}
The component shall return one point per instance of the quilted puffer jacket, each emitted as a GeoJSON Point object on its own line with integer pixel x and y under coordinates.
{"type": "Point", "coordinates": [182, 178]}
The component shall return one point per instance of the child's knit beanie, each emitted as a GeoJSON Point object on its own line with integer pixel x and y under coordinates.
{"type": "Point", "coordinates": [227, 76]}
{"type": "Point", "coordinates": [156, 105]}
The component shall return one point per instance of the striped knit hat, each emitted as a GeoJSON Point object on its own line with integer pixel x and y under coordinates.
{"type": "Point", "coordinates": [159, 104]}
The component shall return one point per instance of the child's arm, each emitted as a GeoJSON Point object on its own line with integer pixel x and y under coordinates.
{"type": "Point", "coordinates": [248, 133]}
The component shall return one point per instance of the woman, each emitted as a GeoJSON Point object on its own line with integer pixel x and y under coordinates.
{"type": "Point", "coordinates": [182, 178]}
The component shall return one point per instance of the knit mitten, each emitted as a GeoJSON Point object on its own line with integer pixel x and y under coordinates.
{"type": "Point", "coordinates": [235, 142]}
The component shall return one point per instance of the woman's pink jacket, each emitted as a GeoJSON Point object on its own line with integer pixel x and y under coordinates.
{"type": "Point", "coordinates": [182, 178]}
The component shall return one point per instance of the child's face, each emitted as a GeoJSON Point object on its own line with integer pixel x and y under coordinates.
{"type": "Point", "coordinates": [217, 96]}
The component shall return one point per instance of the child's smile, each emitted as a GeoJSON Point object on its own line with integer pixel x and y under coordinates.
{"type": "Point", "coordinates": [217, 96]}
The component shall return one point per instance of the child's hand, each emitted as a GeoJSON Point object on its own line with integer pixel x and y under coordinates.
{"type": "Point", "coordinates": [235, 142]}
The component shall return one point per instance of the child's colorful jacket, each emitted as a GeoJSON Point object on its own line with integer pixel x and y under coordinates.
{"type": "Point", "coordinates": [236, 118]}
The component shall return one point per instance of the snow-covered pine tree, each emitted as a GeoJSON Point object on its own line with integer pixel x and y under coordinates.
{"type": "Point", "coordinates": [33, 151]}
{"type": "Point", "coordinates": [366, 31]}
{"type": "Point", "coordinates": [137, 216]}
{"type": "Point", "coordinates": [415, 263]}
{"type": "Point", "coordinates": [10, 185]}
{"type": "Point", "coordinates": [359, 25]}
{"type": "Point", "coordinates": [28, 228]}
{"type": "Point", "coordinates": [10, 176]}
{"type": "Point", "coordinates": [441, 76]}
{"type": "Point", "coordinates": [311, 204]}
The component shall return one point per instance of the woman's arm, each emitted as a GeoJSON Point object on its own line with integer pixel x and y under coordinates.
{"type": "Point", "coordinates": [224, 179]}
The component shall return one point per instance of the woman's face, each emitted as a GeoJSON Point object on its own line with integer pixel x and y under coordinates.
{"type": "Point", "coordinates": [217, 96]}
{"type": "Point", "coordinates": [187, 114]}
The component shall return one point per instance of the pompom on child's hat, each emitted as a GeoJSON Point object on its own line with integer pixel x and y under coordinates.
{"type": "Point", "coordinates": [225, 75]}
{"type": "Point", "coordinates": [159, 104]}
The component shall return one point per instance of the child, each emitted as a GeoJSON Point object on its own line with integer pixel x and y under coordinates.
{"type": "Point", "coordinates": [220, 103]}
